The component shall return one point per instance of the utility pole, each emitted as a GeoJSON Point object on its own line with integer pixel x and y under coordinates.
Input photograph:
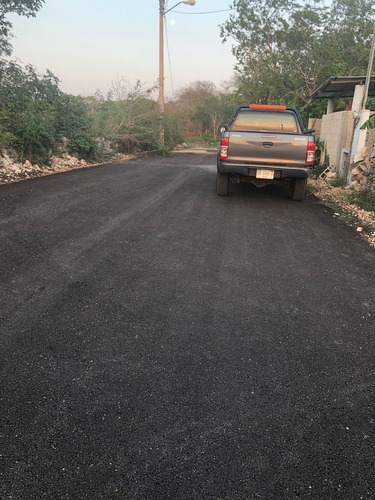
{"type": "Point", "coordinates": [161, 68]}
{"type": "Point", "coordinates": [162, 13]}
{"type": "Point", "coordinates": [359, 135]}
{"type": "Point", "coordinates": [369, 70]}
{"type": "Point", "coordinates": [161, 55]}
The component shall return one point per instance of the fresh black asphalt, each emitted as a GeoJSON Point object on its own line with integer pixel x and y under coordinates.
{"type": "Point", "coordinates": [161, 342]}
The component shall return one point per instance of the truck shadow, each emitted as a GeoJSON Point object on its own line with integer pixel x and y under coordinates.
{"type": "Point", "coordinates": [248, 190]}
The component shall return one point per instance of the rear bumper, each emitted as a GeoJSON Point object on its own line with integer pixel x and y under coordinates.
{"type": "Point", "coordinates": [250, 170]}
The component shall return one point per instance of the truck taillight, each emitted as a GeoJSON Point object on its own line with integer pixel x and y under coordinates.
{"type": "Point", "coordinates": [310, 156]}
{"type": "Point", "coordinates": [224, 148]}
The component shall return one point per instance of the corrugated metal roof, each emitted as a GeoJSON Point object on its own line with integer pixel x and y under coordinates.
{"type": "Point", "coordinates": [342, 86]}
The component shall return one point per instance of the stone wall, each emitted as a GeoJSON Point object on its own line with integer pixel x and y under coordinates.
{"type": "Point", "coordinates": [363, 172]}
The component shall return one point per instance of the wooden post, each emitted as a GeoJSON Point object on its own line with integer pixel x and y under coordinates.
{"type": "Point", "coordinates": [161, 68]}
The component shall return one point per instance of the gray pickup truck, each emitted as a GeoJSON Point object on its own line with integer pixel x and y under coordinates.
{"type": "Point", "coordinates": [265, 144]}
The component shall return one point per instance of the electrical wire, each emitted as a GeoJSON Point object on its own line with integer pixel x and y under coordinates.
{"type": "Point", "coordinates": [166, 34]}
{"type": "Point", "coordinates": [169, 57]}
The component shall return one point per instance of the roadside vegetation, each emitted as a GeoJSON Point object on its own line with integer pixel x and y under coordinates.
{"type": "Point", "coordinates": [284, 50]}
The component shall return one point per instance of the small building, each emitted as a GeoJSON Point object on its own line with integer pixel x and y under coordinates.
{"type": "Point", "coordinates": [340, 130]}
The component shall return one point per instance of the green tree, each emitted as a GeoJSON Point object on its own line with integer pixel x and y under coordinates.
{"type": "Point", "coordinates": [286, 49]}
{"type": "Point", "coordinates": [26, 8]}
{"type": "Point", "coordinates": [189, 99]}
{"type": "Point", "coordinates": [30, 103]}
{"type": "Point", "coordinates": [74, 124]}
{"type": "Point", "coordinates": [36, 116]}
{"type": "Point", "coordinates": [213, 112]}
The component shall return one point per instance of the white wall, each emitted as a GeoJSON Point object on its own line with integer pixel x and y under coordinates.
{"type": "Point", "coordinates": [337, 133]}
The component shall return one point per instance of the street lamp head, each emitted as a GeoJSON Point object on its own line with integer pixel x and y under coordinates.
{"type": "Point", "coordinates": [187, 2]}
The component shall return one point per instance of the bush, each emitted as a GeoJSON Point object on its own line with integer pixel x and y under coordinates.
{"type": "Point", "coordinates": [36, 115]}
{"type": "Point", "coordinates": [338, 182]}
{"type": "Point", "coordinates": [364, 199]}
{"type": "Point", "coordinates": [129, 120]}
{"type": "Point", "coordinates": [320, 167]}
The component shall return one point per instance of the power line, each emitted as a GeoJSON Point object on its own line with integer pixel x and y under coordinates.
{"type": "Point", "coordinates": [169, 58]}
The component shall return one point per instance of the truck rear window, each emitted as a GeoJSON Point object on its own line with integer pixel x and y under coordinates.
{"type": "Point", "coordinates": [265, 121]}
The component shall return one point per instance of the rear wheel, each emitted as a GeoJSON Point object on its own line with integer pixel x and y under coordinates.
{"type": "Point", "coordinates": [222, 183]}
{"type": "Point", "coordinates": [299, 189]}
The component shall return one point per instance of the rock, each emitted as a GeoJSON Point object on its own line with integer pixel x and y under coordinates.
{"type": "Point", "coordinates": [5, 162]}
{"type": "Point", "coordinates": [356, 170]}
{"type": "Point", "coordinates": [331, 175]}
{"type": "Point", "coordinates": [355, 185]}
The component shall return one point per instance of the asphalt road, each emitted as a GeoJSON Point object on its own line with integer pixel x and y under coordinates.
{"type": "Point", "coordinates": [161, 342]}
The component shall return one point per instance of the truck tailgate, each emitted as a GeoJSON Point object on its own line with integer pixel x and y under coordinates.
{"type": "Point", "coordinates": [267, 148]}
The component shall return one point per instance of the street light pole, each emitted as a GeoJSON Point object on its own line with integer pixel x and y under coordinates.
{"type": "Point", "coordinates": [161, 55]}
{"type": "Point", "coordinates": [369, 71]}
{"type": "Point", "coordinates": [162, 13]}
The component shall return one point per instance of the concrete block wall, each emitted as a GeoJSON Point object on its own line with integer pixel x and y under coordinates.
{"type": "Point", "coordinates": [316, 124]}
{"type": "Point", "coordinates": [337, 133]}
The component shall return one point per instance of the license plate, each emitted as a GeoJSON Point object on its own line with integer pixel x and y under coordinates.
{"type": "Point", "coordinates": [265, 174]}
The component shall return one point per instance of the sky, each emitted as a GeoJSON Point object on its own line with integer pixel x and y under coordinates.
{"type": "Point", "coordinates": [88, 44]}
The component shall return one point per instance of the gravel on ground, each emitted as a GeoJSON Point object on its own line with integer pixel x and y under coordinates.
{"type": "Point", "coordinates": [339, 200]}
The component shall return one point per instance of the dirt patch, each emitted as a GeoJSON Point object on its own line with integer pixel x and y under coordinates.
{"type": "Point", "coordinates": [338, 200]}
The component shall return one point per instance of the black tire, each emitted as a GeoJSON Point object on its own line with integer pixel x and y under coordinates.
{"type": "Point", "coordinates": [299, 189]}
{"type": "Point", "coordinates": [222, 183]}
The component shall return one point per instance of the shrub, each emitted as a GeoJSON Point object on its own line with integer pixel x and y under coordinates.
{"type": "Point", "coordinates": [318, 166]}
{"type": "Point", "coordinates": [364, 199]}
{"type": "Point", "coordinates": [36, 115]}
{"type": "Point", "coordinates": [338, 182]}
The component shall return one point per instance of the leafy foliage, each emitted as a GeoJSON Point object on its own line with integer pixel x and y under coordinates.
{"type": "Point", "coordinates": [364, 199]}
{"type": "Point", "coordinates": [319, 165]}
{"type": "Point", "coordinates": [285, 49]}
{"type": "Point", "coordinates": [201, 109]}
{"type": "Point", "coordinates": [26, 8]}
{"type": "Point", "coordinates": [370, 123]}
{"type": "Point", "coordinates": [339, 182]}
{"type": "Point", "coordinates": [129, 119]}
{"type": "Point", "coordinates": [74, 124]}
{"type": "Point", "coordinates": [38, 120]}
{"type": "Point", "coordinates": [36, 115]}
